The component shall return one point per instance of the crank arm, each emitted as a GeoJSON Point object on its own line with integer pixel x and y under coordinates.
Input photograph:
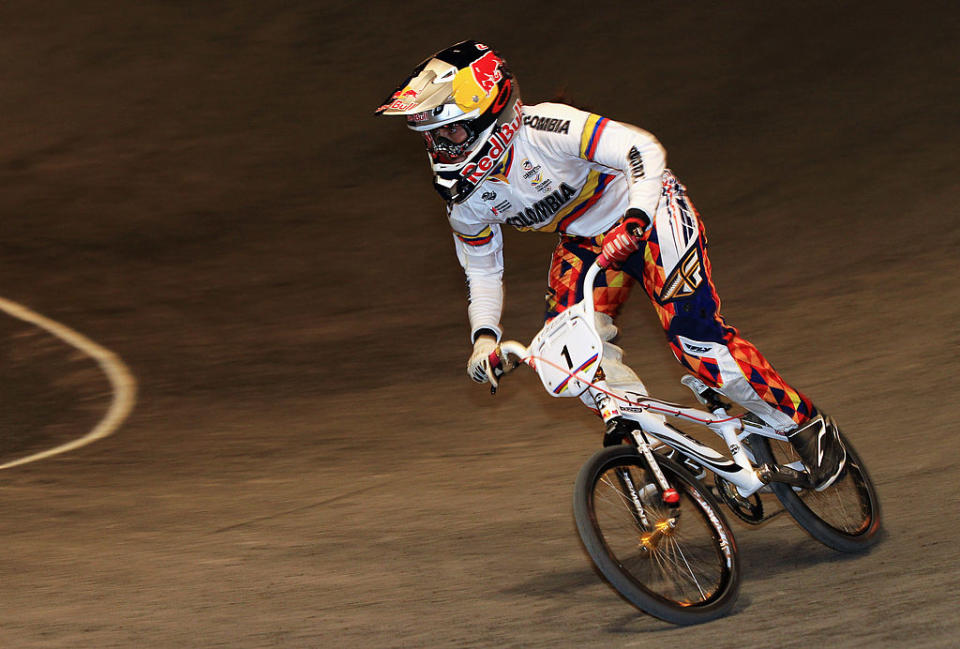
{"type": "Point", "coordinates": [784, 474]}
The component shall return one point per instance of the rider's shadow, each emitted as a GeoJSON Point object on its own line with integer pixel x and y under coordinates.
{"type": "Point", "coordinates": [761, 558]}
{"type": "Point", "coordinates": [632, 621]}
{"type": "Point", "coordinates": [764, 558]}
{"type": "Point", "coordinates": [556, 583]}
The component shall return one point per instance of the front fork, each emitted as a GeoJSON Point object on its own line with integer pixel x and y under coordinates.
{"type": "Point", "coordinates": [608, 411]}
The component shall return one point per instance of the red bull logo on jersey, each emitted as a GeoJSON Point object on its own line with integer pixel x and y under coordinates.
{"type": "Point", "coordinates": [495, 148]}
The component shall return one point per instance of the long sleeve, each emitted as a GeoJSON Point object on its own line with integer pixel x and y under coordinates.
{"type": "Point", "coordinates": [480, 252]}
{"type": "Point", "coordinates": [607, 146]}
{"type": "Point", "coordinates": [631, 150]}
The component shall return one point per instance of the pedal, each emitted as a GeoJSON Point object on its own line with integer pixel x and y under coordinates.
{"type": "Point", "coordinates": [784, 474]}
{"type": "Point", "coordinates": [704, 393]}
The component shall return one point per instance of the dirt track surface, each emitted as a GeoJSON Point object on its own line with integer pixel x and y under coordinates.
{"type": "Point", "coordinates": [201, 188]}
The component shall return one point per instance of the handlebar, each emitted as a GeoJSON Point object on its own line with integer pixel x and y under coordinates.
{"type": "Point", "coordinates": [515, 348]}
{"type": "Point", "coordinates": [588, 280]}
{"type": "Point", "coordinates": [520, 350]}
{"type": "Point", "coordinates": [501, 364]}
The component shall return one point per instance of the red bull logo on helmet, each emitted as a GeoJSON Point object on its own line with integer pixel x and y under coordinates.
{"type": "Point", "coordinates": [486, 71]}
{"type": "Point", "coordinates": [401, 100]}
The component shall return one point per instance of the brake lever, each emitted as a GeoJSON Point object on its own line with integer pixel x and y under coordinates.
{"type": "Point", "coordinates": [635, 231]}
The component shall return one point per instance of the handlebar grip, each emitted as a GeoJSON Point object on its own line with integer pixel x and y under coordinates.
{"type": "Point", "coordinates": [496, 369]}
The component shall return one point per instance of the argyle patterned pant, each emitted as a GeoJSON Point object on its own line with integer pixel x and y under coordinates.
{"type": "Point", "coordinates": [675, 272]}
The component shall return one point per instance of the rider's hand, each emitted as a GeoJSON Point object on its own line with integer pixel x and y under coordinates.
{"type": "Point", "coordinates": [478, 367]}
{"type": "Point", "coordinates": [624, 239]}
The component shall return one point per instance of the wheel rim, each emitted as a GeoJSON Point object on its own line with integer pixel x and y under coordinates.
{"type": "Point", "coordinates": [683, 559]}
{"type": "Point", "coordinates": [846, 505]}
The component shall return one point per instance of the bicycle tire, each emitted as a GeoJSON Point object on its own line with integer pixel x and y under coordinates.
{"type": "Point", "coordinates": [845, 516]}
{"type": "Point", "coordinates": [701, 539]}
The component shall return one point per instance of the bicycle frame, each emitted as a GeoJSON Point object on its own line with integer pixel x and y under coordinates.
{"type": "Point", "coordinates": [571, 338]}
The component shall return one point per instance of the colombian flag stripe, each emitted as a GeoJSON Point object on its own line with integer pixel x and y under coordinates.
{"type": "Point", "coordinates": [484, 236]}
{"type": "Point", "coordinates": [563, 386]}
{"type": "Point", "coordinates": [592, 191]}
{"type": "Point", "coordinates": [592, 130]}
{"type": "Point", "coordinates": [503, 169]}
{"type": "Point", "coordinates": [584, 202]}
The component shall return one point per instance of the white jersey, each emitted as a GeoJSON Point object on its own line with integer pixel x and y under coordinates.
{"type": "Point", "coordinates": [567, 171]}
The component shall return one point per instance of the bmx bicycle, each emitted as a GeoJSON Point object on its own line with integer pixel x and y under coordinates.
{"type": "Point", "coordinates": [651, 525]}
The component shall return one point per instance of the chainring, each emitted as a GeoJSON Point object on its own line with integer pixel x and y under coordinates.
{"type": "Point", "coordinates": [748, 509]}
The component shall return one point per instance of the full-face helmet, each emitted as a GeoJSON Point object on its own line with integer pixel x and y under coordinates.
{"type": "Point", "coordinates": [467, 85]}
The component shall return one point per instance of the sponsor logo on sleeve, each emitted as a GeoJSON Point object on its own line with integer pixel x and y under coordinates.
{"type": "Point", "coordinates": [501, 208]}
{"type": "Point", "coordinates": [489, 196]}
{"type": "Point", "coordinates": [636, 163]}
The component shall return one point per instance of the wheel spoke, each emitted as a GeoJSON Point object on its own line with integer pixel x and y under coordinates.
{"type": "Point", "coordinates": [840, 506]}
{"type": "Point", "coordinates": [682, 564]}
{"type": "Point", "coordinates": [844, 516]}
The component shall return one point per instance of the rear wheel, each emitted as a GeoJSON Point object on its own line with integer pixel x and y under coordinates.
{"type": "Point", "coordinates": [678, 563]}
{"type": "Point", "coordinates": [845, 516]}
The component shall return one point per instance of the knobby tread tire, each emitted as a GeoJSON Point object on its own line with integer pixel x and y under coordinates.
{"type": "Point", "coordinates": [611, 569]}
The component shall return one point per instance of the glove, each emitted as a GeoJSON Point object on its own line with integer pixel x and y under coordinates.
{"type": "Point", "coordinates": [623, 240]}
{"type": "Point", "coordinates": [478, 367]}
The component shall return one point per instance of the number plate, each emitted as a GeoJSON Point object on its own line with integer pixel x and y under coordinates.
{"type": "Point", "coordinates": [568, 352]}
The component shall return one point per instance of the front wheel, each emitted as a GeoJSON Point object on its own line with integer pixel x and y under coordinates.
{"type": "Point", "coordinates": [845, 516]}
{"type": "Point", "coordinates": [679, 563]}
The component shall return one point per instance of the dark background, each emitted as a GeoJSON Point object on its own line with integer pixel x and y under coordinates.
{"type": "Point", "coordinates": [203, 189]}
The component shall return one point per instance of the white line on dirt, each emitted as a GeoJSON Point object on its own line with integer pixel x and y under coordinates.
{"type": "Point", "coordinates": [122, 381]}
